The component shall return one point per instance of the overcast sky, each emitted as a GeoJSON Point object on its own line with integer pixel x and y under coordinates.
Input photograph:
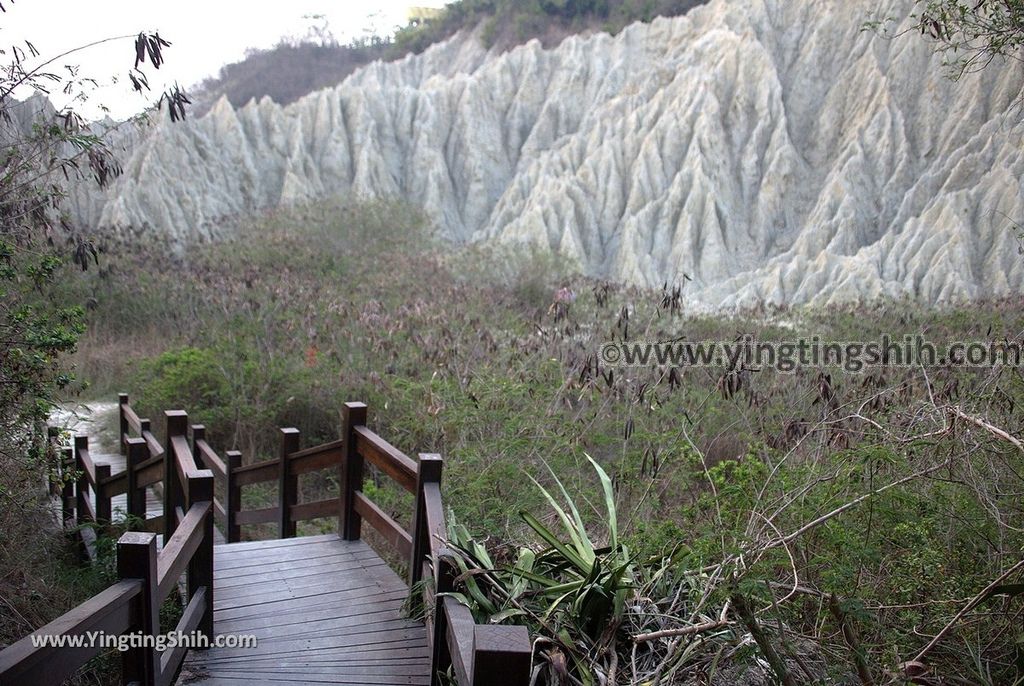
{"type": "Point", "coordinates": [205, 35]}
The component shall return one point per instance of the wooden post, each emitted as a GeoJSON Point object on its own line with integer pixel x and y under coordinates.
{"type": "Point", "coordinates": [137, 559]}
{"type": "Point", "coordinates": [288, 483]}
{"type": "Point", "coordinates": [233, 497]}
{"type": "Point", "coordinates": [501, 655]}
{"type": "Point", "coordinates": [351, 471]}
{"type": "Point", "coordinates": [122, 400]}
{"type": "Point", "coordinates": [429, 472]}
{"type": "Point", "coordinates": [200, 569]}
{"type": "Point", "coordinates": [198, 434]}
{"type": "Point", "coordinates": [82, 483]}
{"type": "Point", "coordinates": [67, 493]}
{"type": "Point", "coordinates": [174, 497]}
{"type": "Point", "coordinates": [137, 454]}
{"type": "Point", "coordinates": [103, 513]}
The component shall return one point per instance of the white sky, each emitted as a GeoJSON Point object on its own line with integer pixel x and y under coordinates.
{"type": "Point", "coordinates": [204, 35]}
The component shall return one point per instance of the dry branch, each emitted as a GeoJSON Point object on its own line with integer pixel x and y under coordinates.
{"type": "Point", "coordinates": [682, 631]}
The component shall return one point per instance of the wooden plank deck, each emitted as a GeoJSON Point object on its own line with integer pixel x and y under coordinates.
{"type": "Point", "coordinates": [324, 611]}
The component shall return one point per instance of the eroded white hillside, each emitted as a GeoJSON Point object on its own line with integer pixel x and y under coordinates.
{"type": "Point", "coordinates": [768, 149]}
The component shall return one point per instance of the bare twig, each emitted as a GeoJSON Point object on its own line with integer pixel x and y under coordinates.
{"type": "Point", "coordinates": [682, 631]}
{"type": "Point", "coordinates": [967, 608]}
{"type": "Point", "coordinates": [994, 430]}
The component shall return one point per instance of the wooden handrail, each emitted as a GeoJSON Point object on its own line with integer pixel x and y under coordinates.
{"type": "Point", "coordinates": [175, 427]}
{"type": "Point", "coordinates": [315, 510]}
{"type": "Point", "coordinates": [219, 511]}
{"type": "Point", "coordinates": [109, 611]}
{"type": "Point", "coordinates": [89, 514]}
{"type": "Point", "coordinates": [150, 471]}
{"type": "Point", "coordinates": [435, 524]}
{"type": "Point", "coordinates": [256, 473]}
{"type": "Point", "coordinates": [120, 609]}
{"type": "Point", "coordinates": [316, 450]}
{"type": "Point", "coordinates": [482, 654]}
{"type": "Point", "coordinates": [262, 516]}
{"type": "Point", "coordinates": [132, 419]}
{"type": "Point", "coordinates": [459, 638]}
{"type": "Point", "coordinates": [393, 533]}
{"type": "Point", "coordinates": [479, 655]}
{"type": "Point", "coordinates": [386, 457]}
{"type": "Point", "coordinates": [191, 618]}
{"type": "Point", "coordinates": [179, 549]}
{"type": "Point", "coordinates": [82, 450]}
{"type": "Point", "coordinates": [155, 449]}
{"type": "Point", "coordinates": [135, 455]}
{"type": "Point", "coordinates": [317, 458]}
{"type": "Point", "coordinates": [184, 462]}
{"type": "Point", "coordinates": [210, 459]}
{"type": "Point", "coordinates": [232, 497]}
{"type": "Point", "coordinates": [287, 484]}
{"type": "Point", "coordinates": [114, 485]}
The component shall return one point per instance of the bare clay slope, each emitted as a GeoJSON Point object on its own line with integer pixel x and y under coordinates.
{"type": "Point", "coordinates": [771, 150]}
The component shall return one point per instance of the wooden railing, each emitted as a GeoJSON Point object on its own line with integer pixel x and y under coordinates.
{"type": "Point", "coordinates": [147, 578]}
{"type": "Point", "coordinates": [479, 655]}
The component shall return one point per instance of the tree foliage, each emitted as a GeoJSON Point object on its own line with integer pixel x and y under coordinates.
{"type": "Point", "coordinates": [972, 33]}
{"type": "Point", "coordinates": [43, 149]}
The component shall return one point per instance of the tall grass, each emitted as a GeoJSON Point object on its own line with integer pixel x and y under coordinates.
{"type": "Point", "coordinates": [889, 491]}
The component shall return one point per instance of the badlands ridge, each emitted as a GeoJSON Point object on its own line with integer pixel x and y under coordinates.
{"type": "Point", "coordinates": [769, 150]}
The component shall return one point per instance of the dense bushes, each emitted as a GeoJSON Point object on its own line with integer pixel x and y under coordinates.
{"type": "Point", "coordinates": [286, 72]}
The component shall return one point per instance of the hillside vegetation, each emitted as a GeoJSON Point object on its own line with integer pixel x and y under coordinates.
{"type": "Point", "coordinates": [834, 519]}
{"type": "Point", "coordinates": [507, 23]}
{"type": "Point", "coordinates": [294, 68]}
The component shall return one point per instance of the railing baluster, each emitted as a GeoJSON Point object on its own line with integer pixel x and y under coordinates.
{"type": "Point", "coordinates": [429, 472]}
{"type": "Point", "coordinates": [103, 512]}
{"type": "Point", "coordinates": [200, 569]}
{"type": "Point", "coordinates": [137, 454]}
{"type": "Point", "coordinates": [67, 492]}
{"type": "Point", "coordinates": [351, 471]}
{"type": "Point", "coordinates": [122, 400]}
{"type": "Point", "coordinates": [82, 483]}
{"type": "Point", "coordinates": [233, 497]}
{"type": "Point", "coordinates": [288, 483]}
{"type": "Point", "coordinates": [136, 559]}
{"type": "Point", "coordinates": [56, 476]}
{"type": "Point", "coordinates": [198, 434]}
{"type": "Point", "coordinates": [440, 653]}
{"type": "Point", "coordinates": [177, 425]}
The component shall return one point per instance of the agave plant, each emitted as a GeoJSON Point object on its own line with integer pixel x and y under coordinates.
{"type": "Point", "coordinates": [571, 590]}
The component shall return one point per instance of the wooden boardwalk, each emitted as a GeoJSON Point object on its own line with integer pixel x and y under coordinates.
{"type": "Point", "coordinates": [324, 611]}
